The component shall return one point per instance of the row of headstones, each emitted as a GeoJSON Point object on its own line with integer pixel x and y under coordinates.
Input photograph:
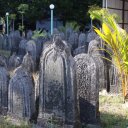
{"type": "Point", "coordinates": [68, 88]}
{"type": "Point", "coordinates": [78, 43]}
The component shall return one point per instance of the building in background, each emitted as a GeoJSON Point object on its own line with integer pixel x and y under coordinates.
{"type": "Point", "coordinates": [120, 7]}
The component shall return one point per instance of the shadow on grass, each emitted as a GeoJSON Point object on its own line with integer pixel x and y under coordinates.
{"type": "Point", "coordinates": [113, 121]}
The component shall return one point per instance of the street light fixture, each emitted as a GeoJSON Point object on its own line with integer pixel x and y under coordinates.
{"type": "Point", "coordinates": [7, 14]}
{"type": "Point", "coordinates": [52, 7]}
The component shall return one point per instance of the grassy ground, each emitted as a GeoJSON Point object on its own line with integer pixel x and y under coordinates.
{"type": "Point", "coordinates": [114, 113]}
{"type": "Point", "coordinates": [5, 53]}
{"type": "Point", "coordinates": [6, 123]}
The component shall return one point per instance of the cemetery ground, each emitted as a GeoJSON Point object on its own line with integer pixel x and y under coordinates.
{"type": "Point", "coordinates": [113, 113]}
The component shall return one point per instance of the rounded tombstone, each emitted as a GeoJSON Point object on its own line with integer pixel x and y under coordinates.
{"type": "Point", "coordinates": [73, 40]}
{"type": "Point", "coordinates": [62, 35]}
{"type": "Point", "coordinates": [55, 31]}
{"type": "Point", "coordinates": [88, 88]}
{"type": "Point", "coordinates": [22, 47]}
{"type": "Point", "coordinates": [28, 62]}
{"type": "Point", "coordinates": [82, 40]}
{"type": "Point", "coordinates": [21, 97]}
{"type": "Point", "coordinates": [68, 33]}
{"type": "Point", "coordinates": [39, 44]}
{"type": "Point", "coordinates": [57, 84]}
{"type": "Point", "coordinates": [29, 34]}
{"type": "Point", "coordinates": [31, 48]}
{"type": "Point", "coordinates": [14, 40]}
{"type": "Point", "coordinates": [91, 36]}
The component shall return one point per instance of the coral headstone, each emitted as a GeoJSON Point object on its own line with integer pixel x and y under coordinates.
{"type": "Point", "coordinates": [87, 87]}
{"type": "Point", "coordinates": [57, 84]}
{"type": "Point", "coordinates": [21, 97]}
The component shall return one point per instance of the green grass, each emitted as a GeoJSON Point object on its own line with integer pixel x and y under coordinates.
{"type": "Point", "coordinates": [5, 53]}
{"type": "Point", "coordinates": [5, 123]}
{"type": "Point", "coordinates": [114, 113]}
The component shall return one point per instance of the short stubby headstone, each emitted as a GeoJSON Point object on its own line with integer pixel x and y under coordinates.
{"type": "Point", "coordinates": [22, 47]}
{"type": "Point", "coordinates": [28, 62]}
{"type": "Point", "coordinates": [88, 88]}
{"type": "Point", "coordinates": [29, 34]}
{"type": "Point", "coordinates": [4, 81]}
{"type": "Point", "coordinates": [97, 53]}
{"type": "Point", "coordinates": [91, 36]}
{"type": "Point", "coordinates": [39, 44]}
{"type": "Point", "coordinates": [82, 40]}
{"type": "Point", "coordinates": [57, 84]}
{"type": "Point", "coordinates": [14, 40]}
{"type": "Point", "coordinates": [62, 35]}
{"type": "Point", "coordinates": [73, 40]}
{"type": "Point", "coordinates": [55, 31]}
{"type": "Point", "coordinates": [68, 33]}
{"type": "Point", "coordinates": [31, 48]}
{"type": "Point", "coordinates": [21, 97]}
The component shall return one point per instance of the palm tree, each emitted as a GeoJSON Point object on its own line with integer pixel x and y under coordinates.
{"type": "Point", "coordinates": [116, 39]}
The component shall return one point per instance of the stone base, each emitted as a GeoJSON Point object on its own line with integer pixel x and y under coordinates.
{"type": "Point", "coordinates": [50, 121]}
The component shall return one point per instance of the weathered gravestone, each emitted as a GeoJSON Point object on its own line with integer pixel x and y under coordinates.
{"type": "Point", "coordinates": [62, 35]}
{"type": "Point", "coordinates": [22, 47]}
{"type": "Point", "coordinates": [21, 98]}
{"type": "Point", "coordinates": [39, 44]}
{"type": "Point", "coordinates": [68, 33]}
{"type": "Point", "coordinates": [95, 51]}
{"type": "Point", "coordinates": [91, 35]}
{"type": "Point", "coordinates": [46, 44]}
{"type": "Point", "coordinates": [57, 84]}
{"type": "Point", "coordinates": [4, 81]}
{"type": "Point", "coordinates": [14, 61]}
{"type": "Point", "coordinates": [88, 88]}
{"type": "Point", "coordinates": [55, 31]}
{"type": "Point", "coordinates": [82, 40]}
{"type": "Point", "coordinates": [29, 34]}
{"type": "Point", "coordinates": [73, 40]}
{"type": "Point", "coordinates": [32, 49]}
{"type": "Point", "coordinates": [14, 40]}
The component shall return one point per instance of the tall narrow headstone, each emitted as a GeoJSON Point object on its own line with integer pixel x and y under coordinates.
{"type": "Point", "coordinates": [88, 88]}
{"type": "Point", "coordinates": [57, 84]}
{"type": "Point", "coordinates": [4, 81]}
{"type": "Point", "coordinates": [97, 53]}
{"type": "Point", "coordinates": [21, 98]}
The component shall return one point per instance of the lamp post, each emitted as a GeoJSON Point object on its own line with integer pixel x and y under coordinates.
{"type": "Point", "coordinates": [51, 7]}
{"type": "Point", "coordinates": [7, 14]}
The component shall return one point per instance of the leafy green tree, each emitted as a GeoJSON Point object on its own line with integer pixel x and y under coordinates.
{"type": "Point", "coordinates": [22, 8]}
{"type": "Point", "coordinates": [116, 39]}
{"type": "Point", "coordinates": [13, 18]}
{"type": "Point", "coordinates": [66, 10]}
